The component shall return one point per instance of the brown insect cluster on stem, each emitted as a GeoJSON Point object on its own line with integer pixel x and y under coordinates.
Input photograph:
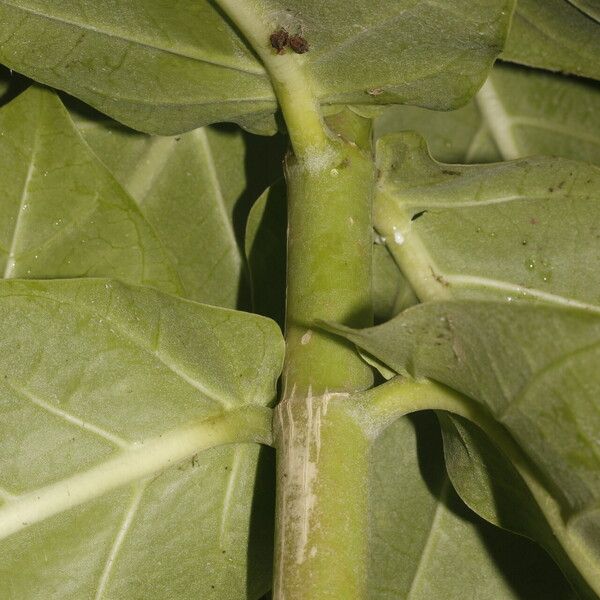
{"type": "Point", "coordinates": [280, 39]}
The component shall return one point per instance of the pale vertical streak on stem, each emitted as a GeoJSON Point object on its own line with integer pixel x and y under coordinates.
{"type": "Point", "coordinates": [293, 89]}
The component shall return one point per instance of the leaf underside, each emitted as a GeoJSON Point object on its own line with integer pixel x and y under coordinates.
{"type": "Point", "coordinates": [105, 389]}
{"type": "Point", "coordinates": [167, 69]}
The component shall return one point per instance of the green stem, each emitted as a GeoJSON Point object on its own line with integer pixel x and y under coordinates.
{"type": "Point", "coordinates": [293, 89]}
{"type": "Point", "coordinates": [321, 541]}
{"type": "Point", "coordinates": [322, 455]}
{"type": "Point", "coordinates": [329, 270]}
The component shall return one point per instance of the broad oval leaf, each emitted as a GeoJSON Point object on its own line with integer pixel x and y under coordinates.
{"type": "Point", "coordinates": [519, 112]}
{"type": "Point", "coordinates": [108, 392]}
{"type": "Point", "coordinates": [554, 35]}
{"type": "Point", "coordinates": [171, 67]}
{"type": "Point", "coordinates": [179, 235]}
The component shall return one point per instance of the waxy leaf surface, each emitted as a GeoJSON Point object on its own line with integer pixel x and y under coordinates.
{"type": "Point", "coordinates": [535, 371]}
{"type": "Point", "coordinates": [427, 544]}
{"type": "Point", "coordinates": [191, 190]}
{"type": "Point", "coordinates": [182, 198]}
{"type": "Point", "coordinates": [108, 393]}
{"type": "Point", "coordinates": [171, 67]}
{"type": "Point", "coordinates": [559, 195]}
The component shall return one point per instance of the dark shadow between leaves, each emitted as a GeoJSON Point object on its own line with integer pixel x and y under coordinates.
{"type": "Point", "coordinates": [11, 85]}
{"type": "Point", "coordinates": [262, 526]}
{"type": "Point", "coordinates": [523, 564]}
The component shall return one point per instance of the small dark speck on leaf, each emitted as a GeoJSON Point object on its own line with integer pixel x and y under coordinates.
{"type": "Point", "coordinates": [298, 44]}
{"type": "Point", "coordinates": [177, 138]}
{"type": "Point", "coordinates": [533, 221]}
{"type": "Point", "coordinates": [417, 215]}
{"type": "Point", "coordinates": [279, 40]}
{"type": "Point", "coordinates": [448, 172]}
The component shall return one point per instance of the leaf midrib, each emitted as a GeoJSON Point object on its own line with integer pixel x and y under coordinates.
{"type": "Point", "coordinates": [152, 46]}
{"type": "Point", "coordinates": [136, 463]}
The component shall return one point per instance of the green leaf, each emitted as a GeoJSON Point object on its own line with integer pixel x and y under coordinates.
{"type": "Point", "coordinates": [191, 193]}
{"type": "Point", "coordinates": [447, 226]}
{"type": "Point", "coordinates": [555, 35]}
{"type": "Point", "coordinates": [427, 544]}
{"type": "Point", "coordinates": [171, 68]}
{"type": "Point", "coordinates": [188, 188]}
{"type": "Point", "coordinates": [266, 251]}
{"type": "Point", "coordinates": [63, 214]}
{"type": "Point", "coordinates": [589, 7]}
{"type": "Point", "coordinates": [515, 114]}
{"type": "Point", "coordinates": [487, 481]}
{"type": "Point", "coordinates": [487, 212]}
{"type": "Point", "coordinates": [535, 371]}
{"type": "Point", "coordinates": [108, 393]}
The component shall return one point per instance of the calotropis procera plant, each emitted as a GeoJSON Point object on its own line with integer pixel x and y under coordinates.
{"type": "Point", "coordinates": [364, 234]}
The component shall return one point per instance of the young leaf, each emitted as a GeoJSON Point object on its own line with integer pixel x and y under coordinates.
{"type": "Point", "coordinates": [515, 114]}
{"type": "Point", "coordinates": [447, 226]}
{"type": "Point", "coordinates": [195, 69]}
{"type": "Point", "coordinates": [554, 35]}
{"type": "Point", "coordinates": [108, 393]}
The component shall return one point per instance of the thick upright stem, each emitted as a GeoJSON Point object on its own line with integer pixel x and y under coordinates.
{"type": "Point", "coordinates": [321, 528]}
{"type": "Point", "coordinates": [322, 455]}
{"type": "Point", "coordinates": [329, 269]}
{"type": "Point", "coordinates": [321, 542]}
